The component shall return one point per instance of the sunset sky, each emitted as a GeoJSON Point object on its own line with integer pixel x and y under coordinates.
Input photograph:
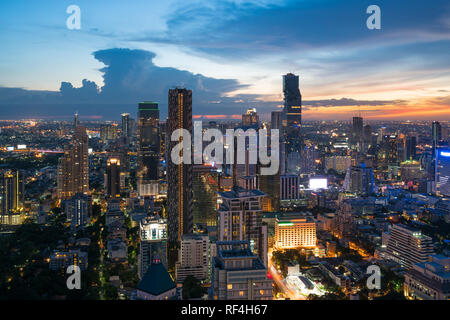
{"type": "Point", "coordinates": [231, 53]}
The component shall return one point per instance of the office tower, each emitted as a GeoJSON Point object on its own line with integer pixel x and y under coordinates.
{"type": "Point", "coordinates": [429, 280]}
{"type": "Point", "coordinates": [240, 218]}
{"type": "Point", "coordinates": [193, 257]}
{"type": "Point", "coordinates": [442, 173]}
{"type": "Point", "coordinates": [148, 142]}
{"type": "Point", "coordinates": [250, 118]}
{"type": "Point", "coordinates": [11, 196]}
{"type": "Point", "coordinates": [179, 193]}
{"type": "Point", "coordinates": [109, 132]}
{"type": "Point", "coordinates": [289, 187]}
{"type": "Point", "coordinates": [112, 177]}
{"type": "Point", "coordinates": [408, 246]}
{"type": "Point", "coordinates": [357, 131]}
{"type": "Point", "coordinates": [411, 143]}
{"type": "Point", "coordinates": [153, 242]}
{"type": "Point", "coordinates": [205, 185]}
{"type": "Point", "coordinates": [292, 118]}
{"type": "Point", "coordinates": [76, 121]}
{"type": "Point", "coordinates": [359, 179]}
{"type": "Point", "coordinates": [389, 152]}
{"type": "Point", "coordinates": [73, 168]}
{"type": "Point", "coordinates": [126, 125]}
{"type": "Point", "coordinates": [436, 133]}
{"type": "Point", "coordinates": [78, 209]}
{"type": "Point", "coordinates": [295, 232]}
{"type": "Point", "coordinates": [238, 274]}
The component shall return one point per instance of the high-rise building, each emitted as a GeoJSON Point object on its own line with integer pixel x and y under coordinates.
{"type": "Point", "coordinates": [76, 121]}
{"type": "Point", "coordinates": [240, 218]}
{"type": "Point", "coordinates": [357, 131]}
{"type": "Point", "coordinates": [289, 187]}
{"type": "Point", "coordinates": [193, 257]}
{"type": "Point", "coordinates": [295, 232]}
{"type": "Point", "coordinates": [109, 132]}
{"type": "Point", "coordinates": [359, 179]}
{"type": "Point", "coordinates": [78, 209]}
{"type": "Point", "coordinates": [179, 193]}
{"type": "Point", "coordinates": [112, 177]}
{"type": "Point", "coordinates": [73, 168]}
{"type": "Point", "coordinates": [436, 133]}
{"type": "Point", "coordinates": [205, 184]}
{"type": "Point", "coordinates": [11, 196]}
{"type": "Point", "coordinates": [153, 243]}
{"type": "Point", "coordinates": [250, 118]}
{"type": "Point", "coordinates": [411, 143]}
{"type": "Point", "coordinates": [126, 132]}
{"type": "Point", "coordinates": [292, 118]}
{"type": "Point", "coordinates": [148, 142]}
{"type": "Point", "coordinates": [408, 246]}
{"type": "Point", "coordinates": [442, 173]}
{"type": "Point", "coordinates": [238, 274]}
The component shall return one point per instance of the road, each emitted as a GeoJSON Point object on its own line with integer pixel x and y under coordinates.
{"type": "Point", "coordinates": [280, 282]}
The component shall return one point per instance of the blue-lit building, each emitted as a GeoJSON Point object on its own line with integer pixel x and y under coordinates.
{"type": "Point", "coordinates": [443, 171]}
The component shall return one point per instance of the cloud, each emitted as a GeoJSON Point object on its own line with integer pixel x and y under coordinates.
{"type": "Point", "coordinates": [345, 102]}
{"type": "Point", "coordinates": [129, 76]}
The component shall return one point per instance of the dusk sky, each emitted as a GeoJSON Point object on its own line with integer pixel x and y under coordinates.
{"type": "Point", "coordinates": [231, 53]}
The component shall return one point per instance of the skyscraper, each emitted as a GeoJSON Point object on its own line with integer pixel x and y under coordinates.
{"type": "Point", "coordinates": [126, 125]}
{"type": "Point", "coordinates": [179, 176]}
{"type": "Point", "coordinates": [11, 195]}
{"type": "Point", "coordinates": [73, 168]}
{"type": "Point", "coordinates": [436, 135]}
{"type": "Point", "coordinates": [359, 179]}
{"type": "Point", "coordinates": [240, 218]}
{"type": "Point", "coordinates": [411, 143]}
{"type": "Point", "coordinates": [292, 119]}
{"type": "Point", "coordinates": [76, 121]}
{"type": "Point", "coordinates": [78, 209]}
{"type": "Point", "coordinates": [112, 179]}
{"type": "Point", "coordinates": [443, 171]}
{"type": "Point", "coordinates": [357, 131]}
{"type": "Point", "coordinates": [148, 144]}
{"type": "Point", "coordinates": [250, 118]}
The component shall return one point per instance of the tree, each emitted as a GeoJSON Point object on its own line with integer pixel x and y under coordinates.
{"type": "Point", "coordinates": [192, 288]}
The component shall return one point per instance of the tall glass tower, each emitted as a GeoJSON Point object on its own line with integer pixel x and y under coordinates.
{"type": "Point", "coordinates": [292, 123]}
{"type": "Point", "coordinates": [148, 141]}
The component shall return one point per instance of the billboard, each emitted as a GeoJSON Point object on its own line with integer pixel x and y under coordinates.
{"type": "Point", "coordinates": [318, 183]}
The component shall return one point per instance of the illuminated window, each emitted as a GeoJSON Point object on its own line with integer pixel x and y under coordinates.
{"type": "Point", "coordinates": [261, 292]}
{"type": "Point", "coordinates": [241, 293]}
{"type": "Point", "coordinates": [230, 286]}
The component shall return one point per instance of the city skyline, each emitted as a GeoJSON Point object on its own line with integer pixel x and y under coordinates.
{"type": "Point", "coordinates": [398, 72]}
